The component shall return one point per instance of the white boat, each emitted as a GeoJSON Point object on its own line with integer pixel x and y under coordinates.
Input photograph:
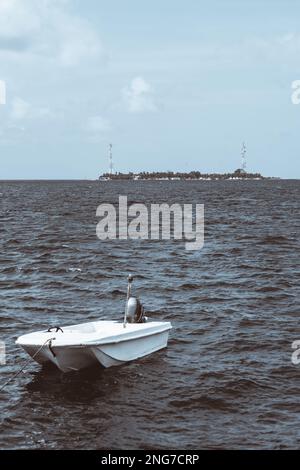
{"type": "Point", "coordinates": [109, 343]}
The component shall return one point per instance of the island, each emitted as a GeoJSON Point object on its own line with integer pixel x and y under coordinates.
{"type": "Point", "coordinates": [238, 174]}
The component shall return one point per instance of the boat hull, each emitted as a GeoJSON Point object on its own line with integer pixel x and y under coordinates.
{"type": "Point", "coordinates": [115, 354]}
{"type": "Point", "coordinates": [118, 345]}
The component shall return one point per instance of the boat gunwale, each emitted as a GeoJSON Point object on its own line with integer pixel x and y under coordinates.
{"type": "Point", "coordinates": [97, 342]}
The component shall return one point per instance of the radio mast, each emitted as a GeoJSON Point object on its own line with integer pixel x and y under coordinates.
{"type": "Point", "coordinates": [111, 165]}
{"type": "Point", "coordinates": [243, 155]}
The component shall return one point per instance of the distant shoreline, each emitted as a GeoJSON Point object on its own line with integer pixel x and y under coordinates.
{"type": "Point", "coordinates": [95, 180]}
{"type": "Point", "coordinates": [178, 176]}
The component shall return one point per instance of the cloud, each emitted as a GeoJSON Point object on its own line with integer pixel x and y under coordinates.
{"type": "Point", "coordinates": [48, 29]}
{"type": "Point", "coordinates": [21, 109]}
{"type": "Point", "coordinates": [98, 124]}
{"type": "Point", "coordinates": [14, 44]}
{"type": "Point", "coordinates": [286, 46]}
{"type": "Point", "coordinates": [96, 128]}
{"type": "Point", "coordinates": [138, 97]}
{"type": "Point", "coordinates": [18, 21]}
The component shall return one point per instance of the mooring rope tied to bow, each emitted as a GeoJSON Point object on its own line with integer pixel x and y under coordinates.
{"type": "Point", "coordinates": [26, 364]}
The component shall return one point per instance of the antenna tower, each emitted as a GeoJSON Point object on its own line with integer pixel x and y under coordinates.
{"type": "Point", "coordinates": [111, 165]}
{"type": "Point", "coordinates": [243, 154]}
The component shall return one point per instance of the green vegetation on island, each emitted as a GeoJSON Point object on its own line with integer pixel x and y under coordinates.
{"type": "Point", "coordinates": [238, 174]}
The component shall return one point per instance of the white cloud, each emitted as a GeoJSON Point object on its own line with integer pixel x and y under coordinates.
{"type": "Point", "coordinates": [21, 109]}
{"type": "Point", "coordinates": [48, 29]}
{"type": "Point", "coordinates": [79, 43]}
{"type": "Point", "coordinates": [18, 20]}
{"type": "Point", "coordinates": [98, 124]}
{"type": "Point", "coordinates": [138, 97]}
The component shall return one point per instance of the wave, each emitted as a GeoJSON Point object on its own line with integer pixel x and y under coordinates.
{"type": "Point", "coordinates": [201, 401]}
{"type": "Point", "coordinates": [275, 240]}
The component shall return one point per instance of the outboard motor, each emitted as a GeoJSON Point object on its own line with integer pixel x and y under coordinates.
{"type": "Point", "coordinates": [134, 311]}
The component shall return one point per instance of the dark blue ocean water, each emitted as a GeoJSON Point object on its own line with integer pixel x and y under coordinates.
{"type": "Point", "coordinates": [226, 379]}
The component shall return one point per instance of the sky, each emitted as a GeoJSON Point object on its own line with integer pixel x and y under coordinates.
{"type": "Point", "coordinates": [174, 85]}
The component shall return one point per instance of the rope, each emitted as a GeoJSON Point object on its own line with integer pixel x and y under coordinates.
{"type": "Point", "coordinates": [26, 364]}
